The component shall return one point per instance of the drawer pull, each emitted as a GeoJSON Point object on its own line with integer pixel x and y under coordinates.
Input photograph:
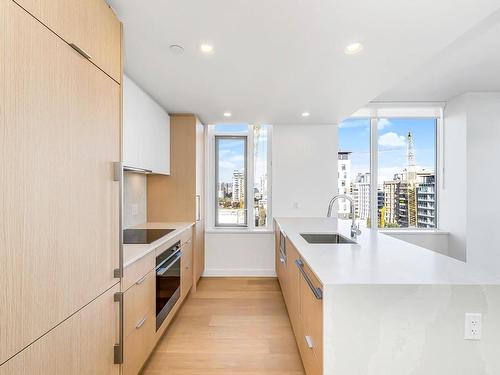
{"type": "Point", "coordinates": [309, 342]}
{"type": "Point", "coordinates": [141, 323]}
{"type": "Point", "coordinates": [141, 280]}
{"type": "Point", "coordinates": [80, 51]}
{"type": "Point", "coordinates": [318, 293]}
{"type": "Point", "coordinates": [282, 257]}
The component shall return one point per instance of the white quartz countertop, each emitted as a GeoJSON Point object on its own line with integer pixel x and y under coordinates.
{"type": "Point", "coordinates": [133, 252]}
{"type": "Point", "coordinates": [376, 258]}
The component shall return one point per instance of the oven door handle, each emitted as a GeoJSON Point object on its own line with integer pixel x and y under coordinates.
{"type": "Point", "coordinates": [158, 266]}
{"type": "Point", "coordinates": [160, 271]}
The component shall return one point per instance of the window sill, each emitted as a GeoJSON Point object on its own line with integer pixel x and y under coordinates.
{"type": "Point", "coordinates": [238, 231]}
{"type": "Point", "coordinates": [414, 231]}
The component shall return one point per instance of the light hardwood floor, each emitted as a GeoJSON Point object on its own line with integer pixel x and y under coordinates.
{"type": "Point", "coordinates": [229, 326]}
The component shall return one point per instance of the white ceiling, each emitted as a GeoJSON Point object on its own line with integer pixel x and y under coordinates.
{"type": "Point", "coordinates": [471, 63]}
{"type": "Point", "coordinates": [275, 59]}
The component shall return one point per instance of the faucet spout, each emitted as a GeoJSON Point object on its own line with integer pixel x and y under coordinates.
{"type": "Point", "coordinates": [354, 228]}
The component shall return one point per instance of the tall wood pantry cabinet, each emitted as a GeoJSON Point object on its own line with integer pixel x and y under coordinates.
{"type": "Point", "coordinates": [60, 132]}
{"type": "Point", "coordinates": [180, 196]}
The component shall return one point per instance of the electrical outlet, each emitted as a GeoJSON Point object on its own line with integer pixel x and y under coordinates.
{"type": "Point", "coordinates": [135, 209]}
{"type": "Point", "coordinates": [472, 326]}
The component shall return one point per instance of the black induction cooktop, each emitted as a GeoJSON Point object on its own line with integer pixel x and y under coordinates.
{"type": "Point", "coordinates": [143, 236]}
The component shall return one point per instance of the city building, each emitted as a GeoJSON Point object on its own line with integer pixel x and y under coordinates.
{"type": "Point", "coordinates": [426, 202]}
{"type": "Point", "coordinates": [361, 195]}
{"type": "Point", "coordinates": [238, 186]}
{"type": "Point", "coordinates": [344, 183]}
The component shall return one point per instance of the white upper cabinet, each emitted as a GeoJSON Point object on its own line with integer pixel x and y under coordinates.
{"type": "Point", "coordinates": [146, 131]}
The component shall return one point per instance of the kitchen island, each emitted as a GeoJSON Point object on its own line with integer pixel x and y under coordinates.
{"type": "Point", "coordinates": [384, 306]}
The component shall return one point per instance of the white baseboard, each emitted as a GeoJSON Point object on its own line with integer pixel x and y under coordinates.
{"type": "Point", "coordinates": [244, 272]}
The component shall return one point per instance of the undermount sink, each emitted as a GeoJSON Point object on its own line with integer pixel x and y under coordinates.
{"type": "Point", "coordinates": [326, 238]}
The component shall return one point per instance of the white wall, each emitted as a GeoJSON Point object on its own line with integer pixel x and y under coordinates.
{"type": "Point", "coordinates": [134, 199]}
{"type": "Point", "coordinates": [304, 170]}
{"type": "Point", "coordinates": [435, 241]}
{"type": "Point", "coordinates": [483, 180]}
{"type": "Point", "coordinates": [239, 254]}
{"type": "Point", "coordinates": [469, 207]}
{"type": "Point", "coordinates": [452, 190]}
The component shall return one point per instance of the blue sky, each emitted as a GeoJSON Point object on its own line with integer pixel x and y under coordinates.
{"type": "Point", "coordinates": [354, 136]}
{"type": "Point", "coordinates": [231, 152]}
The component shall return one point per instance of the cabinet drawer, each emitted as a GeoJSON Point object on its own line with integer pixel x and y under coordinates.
{"type": "Point", "coordinates": [311, 313]}
{"type": "Point", "coordinates": [91, 25]}
{"type": "Point", "coordinates": [138, 345]}
{"type": "Point", "coordinates": [186, 236]}
{"type": "Point", "coordinates": [138, 269]}
{"type": "Point", "coordinates": [139, 299]}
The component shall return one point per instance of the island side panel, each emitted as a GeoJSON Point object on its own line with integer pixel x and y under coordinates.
{"type": "Point", "coordinates": [409, 330]}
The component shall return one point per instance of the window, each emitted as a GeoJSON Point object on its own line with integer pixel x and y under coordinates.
{"type": "Point", "coordinates": [241, 170]}
{"type": "Point", "coordinates": [231, 180]}
{"type": "Point", "coordinates": [406, 173]}
{"type": "Point", "coordinates": [354, 169]}
{"type": "Point", "coordinates": [402, 157]}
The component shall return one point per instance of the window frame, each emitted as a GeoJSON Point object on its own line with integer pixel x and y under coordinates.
{"type": "Point", "coordinates": [211, 185]}
{"type": "Point", "coordinates": [374, 115]}
{"type": "Point", "coordinates": [216, 179]}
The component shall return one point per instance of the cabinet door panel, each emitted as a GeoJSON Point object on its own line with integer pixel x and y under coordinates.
{"type": "Point", "coordinates": [199, 250]}
{"type": "Point", "coordinates": [59, 205]}
{"type": "Point", "coordinates": [82, 344]}
{"type": "Point", "coordinates": [312, 324]}
{"type": "Point", "coordinates": [186, 267]}
{"type": "Point", "coordinates": [89, 24]}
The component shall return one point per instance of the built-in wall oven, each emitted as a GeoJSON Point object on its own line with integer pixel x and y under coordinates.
{"type": "Point", "coordinates": [168, 281]}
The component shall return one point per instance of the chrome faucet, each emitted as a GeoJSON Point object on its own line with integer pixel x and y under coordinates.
{"type": "Point", "coordinates": [355, 232]}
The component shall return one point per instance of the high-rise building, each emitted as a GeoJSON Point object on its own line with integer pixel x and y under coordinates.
{"type": "Point", "coordinates": [238, 193]}
{"type": "Point", "coordinates": [426, 202]}
{"type": "Point", "coordinates": [344, 183]}
{"type": "Point", "coordinates": [361, 195]}
{"type": "Point", "coordinates": [390, 189]}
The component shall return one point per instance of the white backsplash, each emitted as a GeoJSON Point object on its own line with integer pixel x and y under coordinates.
{"type": "Point", "coordinates": [134, 199]}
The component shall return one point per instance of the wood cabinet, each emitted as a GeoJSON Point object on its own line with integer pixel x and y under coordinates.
{"type": "Point", "coordinates": [280, 261]}
{"type": "Point", "coordinates": [139, 322]}
{"type": "Point", "coordinates": [186, 266]}
{"type": "Point", "coordinates": [146, 131]}
{"type": "Point", "coordinates": [293, 285]}
{"type": "Point", "coordinates": [311, 317]}
{"type": "Point", "coordinates": [90, 25]}
{"type": "Point", "coordinates": [180, 196]}
{"type": "Point", "coordinates": [302, 292]}
{"type": "Point", "coordinates": [82, 344]}
{"type": "Point", "coordinates": [59, 213]}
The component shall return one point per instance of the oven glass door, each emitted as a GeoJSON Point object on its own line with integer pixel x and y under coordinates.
{"type": "Point", "coordinates": [168, 281]}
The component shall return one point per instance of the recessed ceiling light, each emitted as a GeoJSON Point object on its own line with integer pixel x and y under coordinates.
{"type": "Point", "coordinates": [176, 49]}
{"type": "Point", "coordinates": [353, 48]}
{"type": "Point", "coordinates": [227, 114]}
{"type": "Point", "coordinates": [306, 114]}
{"type": "Point", "coordinates": [207, 48]}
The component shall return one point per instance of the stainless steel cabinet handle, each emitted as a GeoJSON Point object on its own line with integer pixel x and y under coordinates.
{"type": "Point", "coordinates": [141, 280]}
{"type": "Point", "coordinates": [282, 257]}
{"type": "Point", "coordinates": [318, 293]}
{"type": "Point", "coordinates": [80, 51]}
{"type": "Point", "coordinates": [141, 323]}
{"type": "Point", "coordinates": [309, 341]}
{"type": "Point", "coordinates": [198, 208]}
{"type": "Point", "coordinates": [118, 177]}
{"type": "Point", "coordinates": [118, 348]}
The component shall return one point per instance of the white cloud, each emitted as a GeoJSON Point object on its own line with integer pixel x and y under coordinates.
{"type": "Point", "coordinates": [392, 140]}
{"type": "Point", "coordinates": [383, 123]}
